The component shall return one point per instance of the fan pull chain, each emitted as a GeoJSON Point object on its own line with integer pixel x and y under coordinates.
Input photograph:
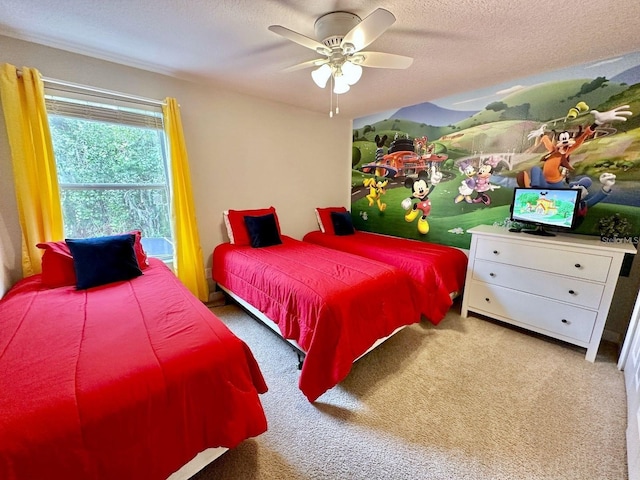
{"type": "Point", "coordinates": [331, 98]}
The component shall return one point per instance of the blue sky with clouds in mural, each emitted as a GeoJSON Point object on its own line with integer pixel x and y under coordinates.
{"type": "Point", "coordinates": [478, 99]}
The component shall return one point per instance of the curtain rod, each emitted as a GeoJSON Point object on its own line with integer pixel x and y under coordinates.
{"type": "Point", "coordinates": [111, 93]}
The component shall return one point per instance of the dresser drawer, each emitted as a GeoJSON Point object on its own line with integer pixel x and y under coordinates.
{"type": "Point", "coordinates": [566, 289]}
{"type": "Point", "coordinates": [542, 314]}
{"type": "Point", "coordinates": [555, 260]}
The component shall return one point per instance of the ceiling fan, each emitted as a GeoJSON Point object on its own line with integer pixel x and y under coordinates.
{"type": "Point", "coordinates": [341, 38]}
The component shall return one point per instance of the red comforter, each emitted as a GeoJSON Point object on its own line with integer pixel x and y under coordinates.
{"type": "Point", "coordinates": [125, 381]}
{"type": "Point", "coordinates": [438, 270]}
{"type": "Point", "coordinates": [333, 304]}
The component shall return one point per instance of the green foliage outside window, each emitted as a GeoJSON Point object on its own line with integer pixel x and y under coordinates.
{"type": "Point", "coordinates": [112, 178]}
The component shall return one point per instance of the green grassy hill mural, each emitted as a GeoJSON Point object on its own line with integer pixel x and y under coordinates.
{"type": "Point", "coordinates": [498, 142]}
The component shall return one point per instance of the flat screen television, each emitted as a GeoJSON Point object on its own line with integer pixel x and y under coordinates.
{"type": "Point", "coordinates": [545, 210]}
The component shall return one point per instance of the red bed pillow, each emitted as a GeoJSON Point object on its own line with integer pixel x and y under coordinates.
{"type": "Point", "coordinates": [141, 255]}
{"type": "Point", "coordinates": [57, 261]}
{"type": "Point", "coordinates": [57, 265]}
{"type": "Point", "coordinates": [324, 218]}
{"type": "Point", "coordinates": [236, 227]}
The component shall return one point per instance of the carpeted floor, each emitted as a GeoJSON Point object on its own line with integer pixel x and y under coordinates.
{"type": "Point", "coordinates": [468, 399]}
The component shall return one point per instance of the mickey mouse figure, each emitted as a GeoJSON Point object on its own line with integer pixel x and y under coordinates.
{"type": "Point", "coordinates": [421, 190]}
{"type": "Point", "coordinates": [380, 172]}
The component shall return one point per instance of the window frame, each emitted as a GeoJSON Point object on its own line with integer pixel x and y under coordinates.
{"type": "Point", "coordinates": [107, 107]}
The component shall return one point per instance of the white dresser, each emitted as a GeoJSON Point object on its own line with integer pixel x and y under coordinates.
{"type": "Point", "coordinates": [558, 286]}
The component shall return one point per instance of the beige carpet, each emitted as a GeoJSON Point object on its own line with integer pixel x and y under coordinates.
{"type": "Point", "coordinates": [468, 399]}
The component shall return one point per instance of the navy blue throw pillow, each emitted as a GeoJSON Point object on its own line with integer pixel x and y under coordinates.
{"type": "Point", "coordinates": [101, 260]}
{"type": "Point", "coordinates": [263, 230]}
{"type": "Point", "coordinates": [342, 223]}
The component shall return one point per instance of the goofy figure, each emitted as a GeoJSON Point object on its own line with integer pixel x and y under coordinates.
{"type": "Point", "coordinates": [556, 167]}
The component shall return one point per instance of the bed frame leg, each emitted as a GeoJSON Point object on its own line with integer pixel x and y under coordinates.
{"type": "Point", "coordinates": [300, 360]}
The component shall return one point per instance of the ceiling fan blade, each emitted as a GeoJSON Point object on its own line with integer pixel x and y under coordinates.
{"type": "Point", "coordinates": [369, 29]}
{"type": "Point", "coordinates": [383, 60]}
{"type": "Point", "coordinates": [310, 63]}
{"type": "Point", "coordinates": [297, 38]}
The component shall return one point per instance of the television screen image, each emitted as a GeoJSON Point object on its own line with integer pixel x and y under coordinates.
{"type": "Point", "coordinates": [544, 207]}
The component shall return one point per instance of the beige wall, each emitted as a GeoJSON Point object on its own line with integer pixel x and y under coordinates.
{"type": "Point", "coordinates": [244, 152]}
{"type": "Point", "coordinates": [623, 302]}
{"type": "Point", "coordinates": [10, 270]}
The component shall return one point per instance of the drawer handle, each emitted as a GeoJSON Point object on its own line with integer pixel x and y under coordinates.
{"type": "Point", "coordinates": [487, 300]}
{"type": "Point", "coordinates": [577, 265]}
{"type": "Point", "coordinates": [565, 321]}
{"type": "Point", "coordinates": [572, 292]}
{"type": "Point", "coordinates": [492, 274]}
{"type": "Point", "coordinates": [496, 252]}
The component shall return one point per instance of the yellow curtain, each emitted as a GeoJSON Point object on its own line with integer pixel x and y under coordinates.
{"type": "Point", "coordinates": [188, 257]}
{"type": "Point", "coordinates": [34, 166]}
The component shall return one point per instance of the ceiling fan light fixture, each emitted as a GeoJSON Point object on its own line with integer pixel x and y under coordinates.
{"type": "Point", "coordinates": [340, 37]}
{"type": "Point", "coordinates": [321, 75]}
{"type": "Point", "coordinates": [348, 48]}
{"type": "Point", "coordinates": [341, 85]}
{"type": "Point", "coordinates": [351, 72]}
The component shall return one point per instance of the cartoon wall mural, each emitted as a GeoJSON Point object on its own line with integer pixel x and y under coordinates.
{"type": "Point", "coordinates": [451, 164]}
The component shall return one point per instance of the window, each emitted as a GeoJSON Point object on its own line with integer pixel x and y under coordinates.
{"type": "Point", "coordinates": [112, 167]}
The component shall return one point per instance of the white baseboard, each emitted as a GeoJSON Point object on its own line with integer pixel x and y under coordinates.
{"type": "Point", "coordinates": [216, 299]}
{"type": "Point", "coordinates": [196, 464]}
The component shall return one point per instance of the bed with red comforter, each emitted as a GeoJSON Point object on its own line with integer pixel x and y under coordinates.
{"type": "Point", "coordinates": [333, 304]}
{"type": "Point", "coordinates": [438, 270]}
{"type": "Point", "coordinates": [128, 380]}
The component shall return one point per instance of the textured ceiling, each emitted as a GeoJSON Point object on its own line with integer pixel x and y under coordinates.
{"type": "Point", "coordinates": [458, 45]}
